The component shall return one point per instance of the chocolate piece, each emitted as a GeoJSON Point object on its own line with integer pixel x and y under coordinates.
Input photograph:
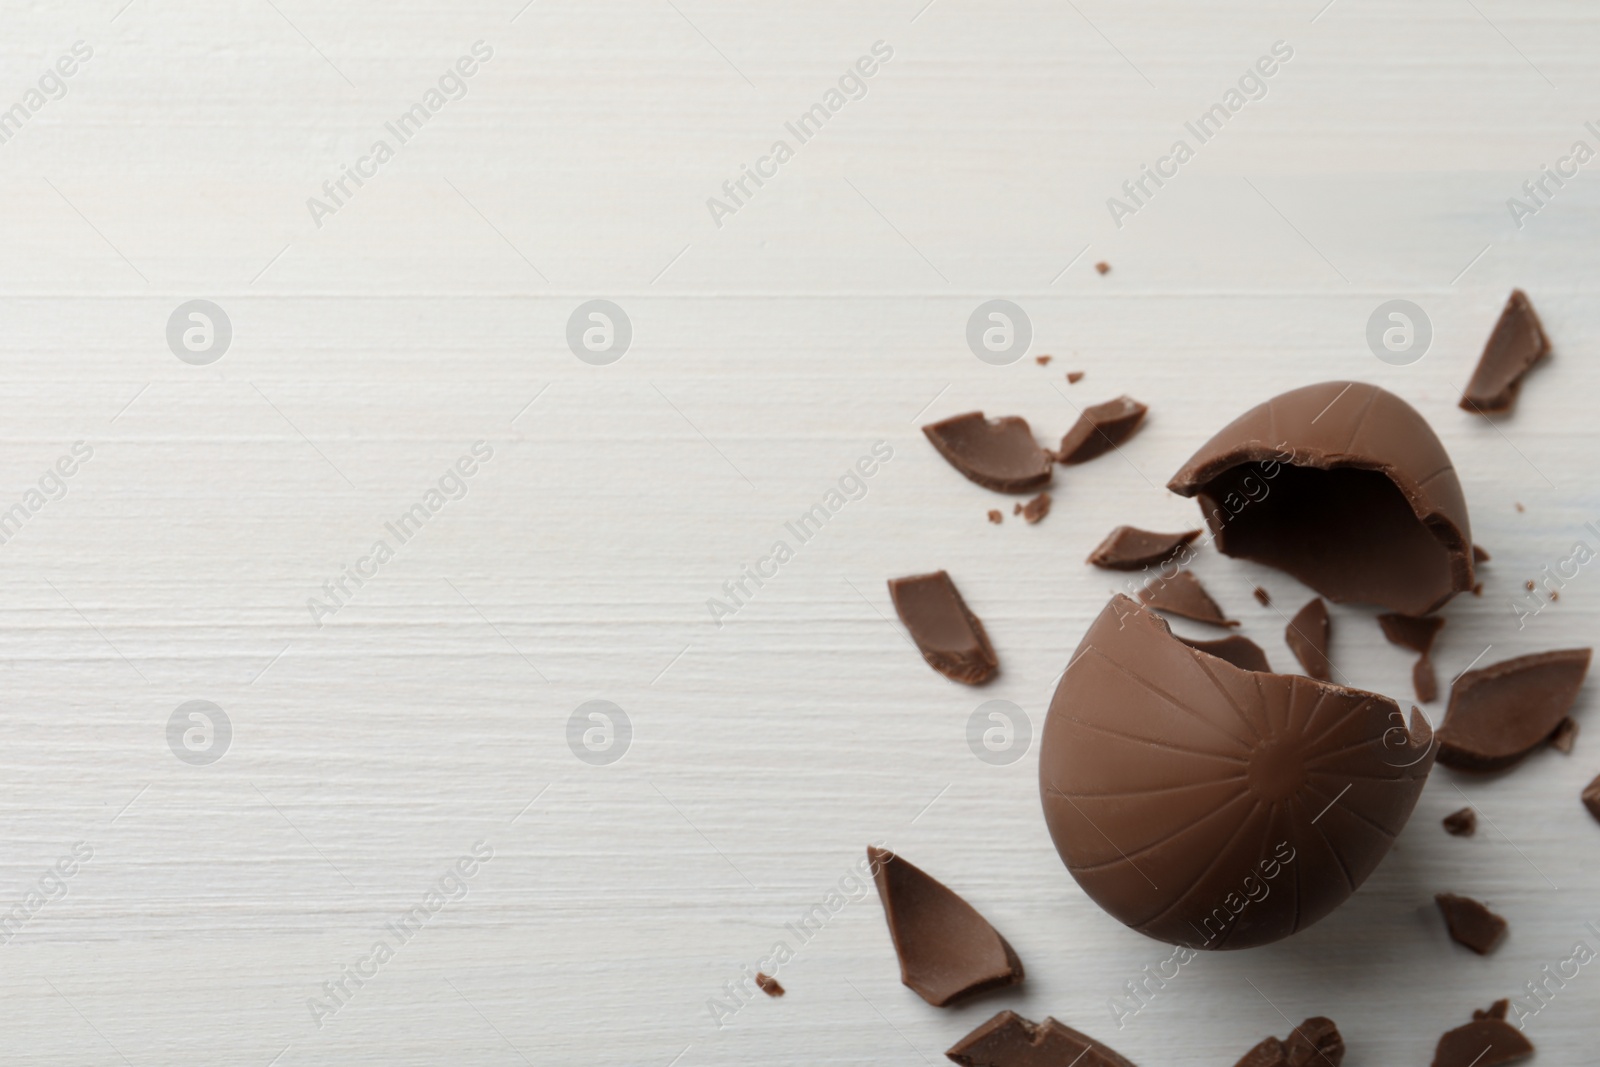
{"type": "Point", "coordinates": [1043, 361]}
{"type": "Point", "coordinates": [1016, 509]}
{"type": "Point", "coordinates": [995, 517]}
{"type": "Point", "coordinates": [1479, 555]}
{"type": "Point", "coordinates": [1497, 1010]}
{"type": "Point", "coordinates": [1591, 797]}
{"type": "Point", "coordinates": [1565, 735]}
{"type": "Point", "coordinates": [1009, 1040]}
{"type": "Point", "coordinates": [1316, 1042]}
{"type": "Point", "coordinates": [1239, 651]}
{"type": "Point", "coordinates": [1103, 267]}
{"type": "Point", "coordinates": [1520, 508]}
{"type": "Point", "coordinates": [1074, 377]}
{"type": "Point", "coordinates": [1208, 806]}
{"type": "Point", "coordinates": [1100, 428]}
{"type": "Point", "coordinates": [1424, 680]}
{"type": "Point", "coordinates": [1500, 713]}
{"type": "Point", "coordinates": [949, 636]}
{"type": "Point", "coordinates": [1182, 594]}
{"type": "Point", "coordinates": [1344, 486]}
{"type": "Point", "coordinates": [1485, 1042]}
{"type": "Point", "coordinates": [1409, 631]}
{"type": "Point", "coordinates": [1517, 343]}
{"type": "Point", "coordinates": [1128, 548]}
{"type": "Point", "coordinates": [1037, 508]}
{"type": "Point", "coordinates": [1470, 923]}
{"type": "Point", "coordinates": [1528, 585]}
{"type": "Point", "coordinates": [1263, 596]}
{"type": "Point", "coordinates": [1477, 589]}
{"type": "Point", "coordinates": [1463, 823]}
{"type": "Point", "coordinates": [1307, 637]}
{"type": "Point", "coordinates": [769, 985]}
{"type": "Point", "coordinates": [998, 454]}
{"type": "Point", "coordinates": [946, 949]}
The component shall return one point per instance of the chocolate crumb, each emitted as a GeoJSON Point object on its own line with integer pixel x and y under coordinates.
{"type": "Point", "coordinates": [1591, 797]}
{"type": "Point", "coordinates": [1463, 823]}
{"type": "Point", "coordinates": [1487, 1041]}
{"type": "Point", "coordinates": [1528, 585]}
{"type": "Point", "coordinates": [1555, 594]}
{"type": "Point", "coordinates": [1565, 735]}
{"type": "Point", "coordinates": [1263, 596]}
{"type": "Point", "coordinates": [1037, 508]}
{"type": "Point", "coordinates": [1479, 555]}
{"type": "Point", "coordinates": [1519, 506]}
{"type": "Point", "coordinates": [1043, 361]}
{"type": "Point", "coordinates": [1074, 377]}
{"type": "Point", "coordinates": [1424, 680]}
{"type": "Point", "coordinates": [1016, 509]}
{"type": "Point", "coordinates": [1470, 923]}
{"type": "Point", "coordinates": [769, 985]}
{"type": "Point", "coordinates": [1103, 267]}
{"type": "Point", "coordinates": [995, 517]}
{"type": "Point", "coordinates": [1477, 590]}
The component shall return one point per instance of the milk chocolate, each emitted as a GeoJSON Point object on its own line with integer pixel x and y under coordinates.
{"type": "Point", "coordinates": [1424, 680]}
{"type": "Point", "coordinates": [949, 636]}
{"type": "Point", "coordinates": [998, 454]}
{"type": "Point", "coordinates": [1500, 713]}
{"type": "Point", "coordinates": [1409, 631]}
{"type": "Point", "coordinates": [1183, 595]}
{"type": "Point", "coordinates": [1213, 807]}
{"type": "Point", "coordinates": [1479, 555]}
{"type": "Point", "coordinates": [1316, 1042]}
{"type": "Point", "coordinates": [769, 985]}
{"type": "Point", "coordinates": [1463, 823]}
{"type": "Point", "coordinates": [1344, 486]}
{"type": "Point", "coordinates": [947, 950]}
{"type": "Point", "coordinates": [1009, 1040]}
{"type": "Point", "coordinates": [1591, 797]}
{"type": "Point", "coordinates": [1487, 1041]}
{"type": "Point", "coordinates": [1100, 428]}
{"type": "Point", "coordinates": [995, 517]}
{"type": "Point", "coordinates": [1239, 651]}
{"type": "Point", "coordinates": [1037, 508]}
{"type": "Point", "coordinates": [1128, 548]}
{"type": "Point", "coordinates": [1263, 596]}
{"type": "Point", "coordinates": [1517, 343]}
{"type": "Point", "coordinates": [1470, 923]}
{"type": "Point", "coordinates": [1307, 637]}
{"type": "Point", "coordinates": [1565, 735]}
{"type": "Point", "coordinates": [1074, 377]}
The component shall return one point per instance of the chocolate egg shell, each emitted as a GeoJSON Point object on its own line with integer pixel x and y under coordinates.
{"type": "Point", "coordinates": [1213, 807]}
{"type": "Point", "coordinates": [1346, 487]}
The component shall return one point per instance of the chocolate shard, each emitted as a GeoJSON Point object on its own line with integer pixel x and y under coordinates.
{"type": "Point", "coordinates": [1128, 548]}
{"type": "Point", "coordinates": [1344, 486]}
{"type": "Point", "coordinates": [1479, 555]}
{"type": "Point", "coordinates": [1487, 1041]}
{"type": "Point", "coordinates": [1463, 823]}
{"type": "Point", "coordinates": [998, 454]}
{"type": "Point", "coordinates": [1074, 377]}
{"type": "Point", "coordinates": [1307, 637]}
{"type": "Point", "coordinates": [1497, 1010]}
{"type": "Point", "coordinates": [1517, 343]}
{"type": "Point", "coordinates": [1237, 650]}
{"type": "Point", "coordinates": [1263, 596]}
{"type": "Point", "coordinates": [1470, 923]}
{"type": "Point", "coordinates": [1169, 777]}
{"type": "Point", "coordinates": [1565, 735]}
{"type": "Point", "coordinates": [1591, 797]}
{"type": "Point", "coordinates": [1410, 631]}
{"type": "Point", "coordinates": [1424, 680]}
{"type": "Point", "coordinates": [1037, 508]}
{"type": "Point", "coordinates": [1500, 713]}
{"type": "Point", "coordinates": [1009, 1040]}
{"type": "Point", "coordinates": [769, 985]}
{"type": "Point", "coordinates": [946, 949]}
{"type": "Point", "coordinates": [1316, 1041]}
{"type": "Point", "coordinates": [995, 517]}
{"type": "Point", "coordinates": [1100, 428]}
{"type": "Point", "coordinates": [1183, 595]}
{"type": "Point", "coordinates": [949, 636]}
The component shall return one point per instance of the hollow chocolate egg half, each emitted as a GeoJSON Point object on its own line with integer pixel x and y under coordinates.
{"type": "Point", "coordinates": [1214, 807]}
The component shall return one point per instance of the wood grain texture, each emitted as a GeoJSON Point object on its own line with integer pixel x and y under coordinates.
{"type": "Point", "coordinates": [769, 353]}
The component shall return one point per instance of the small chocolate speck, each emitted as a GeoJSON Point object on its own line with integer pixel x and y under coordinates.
{"type": "Point", "coordinates": [1461, 823]}
{"type": "Point", "coordinates": [1477, 590]}
{"type": "Point", "coordinates": [995, 517]}
{"type": "Point", "coordinates": [769, 985]}
{"type": "Point", "coordinates": [1519, 506]}
{"type": "Point", "coordinates": [1074, 377]}
{"type": "Point", "coordinates": [1103, 267]}
{"type": "Point", "coordinates": [1528, 585]}
{"type": "Point", "coordinates": [1263, 596]}
{"type": "Point", "coordinates": [1043, 360]}
{"type": "Point", "coordinates": [1037, 508]}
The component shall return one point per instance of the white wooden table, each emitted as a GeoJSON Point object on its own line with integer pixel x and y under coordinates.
{"type": "Point", "coordinates": [373, 746]}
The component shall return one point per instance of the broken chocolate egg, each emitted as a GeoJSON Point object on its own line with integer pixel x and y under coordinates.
{"type": "Point", "coordinates": [1213, 807]}
{"type": "Point", "coordinates": [1346, 487]}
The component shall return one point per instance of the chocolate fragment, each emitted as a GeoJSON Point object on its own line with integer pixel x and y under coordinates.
{"type": "Point", "coordinates": [1169, 777]}
{"type": "Point", "coordinates": [1479, 555]}
{"type": "Point", "coordinates": [1074, 377]}
{"type": "Point", "coordinates": [769, 985]}
{"type": "Point", "coordinates": [1477, 589]}
{"type": "Point", "coordinates": [1128, 548]}
{"type": "Point", "coordinates": [1009, 1040]}
{"type": "Point", "coordinates": [1565, 735]}
{"type": "Point", "coordinates": [1316, 1042]}
{"type": "Point", "coordinates": [946, 949]}
{"type": "Point", "coordinates": [1263, 596]}
{"type": "Point", "coordinates": [1239, 651]}
{"type": "Point", "coordinates": [1103, 267]}
{"type": "Point", "coordinates": [998, 454]}
{"type": "Point", "coordinates": [1037, 508]}
{"type": "Point", "coordinates": [1485, 1042]}
{"type": "Point", "coordinates": [1409, 631]}
{"type": "Point", "coordinates": [1463, 823]}
{"type": "Point", "coordinates": [1470, 923]}
{"type": "Point", "coordinates": [1344, 486]}
{"type": "Point", "coordinates": [1043, 361]}
{"type": "Point", "coordinates": [949, 636]}
{"type": "Point", "coordinates": [1100, 428]}
{"type": "Point", "coordinates": [1517, 343]}
{"type": "Point", "coordinates": [1591, 797]}
{"type": "Point", "coordinates": [1528, 585]}
{"type": "Point", "coordinates": [1307, 637]}
{"type": "Point", "coordinates": [1182, 594]}
{"type": "Point", "coordinates": [995, 517]}
{"type": "Point", "coordinates": [1424, 680]}
{"type": "Point", "coordinates": [1500, 713]}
